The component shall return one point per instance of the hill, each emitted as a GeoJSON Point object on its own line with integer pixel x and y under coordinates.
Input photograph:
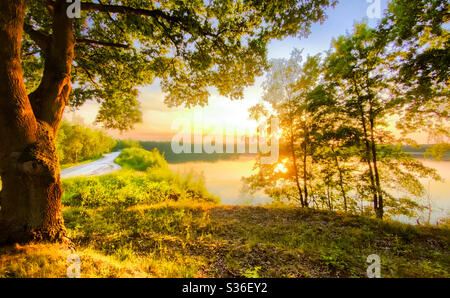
{"type": "Point", "coordinates": [185, 239]}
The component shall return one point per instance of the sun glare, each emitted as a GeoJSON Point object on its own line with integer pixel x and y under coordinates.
{"type": "Point", "coordinates": [281, 168]}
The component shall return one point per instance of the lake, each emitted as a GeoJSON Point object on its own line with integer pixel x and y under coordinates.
{"type": "Point", "coordinates": [223, 178]}
{"type": "Point", "coordinates": [438, 191]}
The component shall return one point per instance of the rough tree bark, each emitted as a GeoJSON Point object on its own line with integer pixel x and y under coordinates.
{"type": "Point", "coordinates": [30, 199]}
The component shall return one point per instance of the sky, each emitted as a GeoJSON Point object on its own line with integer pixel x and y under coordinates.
{"type": "Point", "coordinates": [158, 119]}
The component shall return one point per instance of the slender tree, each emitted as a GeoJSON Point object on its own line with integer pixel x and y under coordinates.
{"type": "Point", "coordinates": [280, 94]}
{"type": "Point", "coordinates": [337, 141]}
{"type": "Point", "coordinates": [287, 86]}
{"type": "Point", "coordinates": [340, 109]}
{"type": "Point", "coordinates": [359, 67]}
{"type": "Point", "coordinates": [355, 64]}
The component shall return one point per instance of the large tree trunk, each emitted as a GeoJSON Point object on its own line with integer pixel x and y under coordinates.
{"type": "Point", "coordinates": [30, 199]}
{"type": "Point", "coordinates": [31, 195]}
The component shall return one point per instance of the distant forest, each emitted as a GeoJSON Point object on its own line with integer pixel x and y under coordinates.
{"type": "Point", "coordinates": [425, 151]}
{"type": "Point", "coordinates": [171, 157]}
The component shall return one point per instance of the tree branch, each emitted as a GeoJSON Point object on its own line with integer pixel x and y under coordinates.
{"type": "Point", "coordinates": [88, 73]}
{"type": "Point", "coordinates": [31, 53]}
{"type": "Point", "coordinates": [39, 37]}
{"type": "Point", "coordinates": [127, 10]}
{"type": "Point", "coordinates": [51, 96]}
{"type": "Point", "coordinates": [155, 13]}
{"type": "Point", "coordinates": [114, 21]}
{"type": "Point", "coordinates": [102, 43]}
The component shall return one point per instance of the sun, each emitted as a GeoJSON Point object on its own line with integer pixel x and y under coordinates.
{"type": "Point", "coordinates": [281, 168]}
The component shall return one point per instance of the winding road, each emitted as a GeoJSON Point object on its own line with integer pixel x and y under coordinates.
{"type": "Point", "coordinates": [102, 166]}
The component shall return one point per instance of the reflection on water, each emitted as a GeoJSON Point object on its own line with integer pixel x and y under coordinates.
{"type": "Point", "coordinates": [438, 192]}
{"type": "Point", "coordinates": [223, 178]}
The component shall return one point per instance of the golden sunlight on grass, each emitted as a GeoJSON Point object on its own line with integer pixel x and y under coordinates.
{"type": "Point", "coordinates": [179, 239]}
{"type": "Point", "coordinates": [50, 260]}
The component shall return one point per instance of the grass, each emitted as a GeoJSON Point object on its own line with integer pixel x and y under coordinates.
{"type": "Point", "coordinates": [146, 179]}
{"type": "Point", "coordinates": [203, 239]}
{"type": "Point", "coordinates": [128, 188]}
{"type": "Point", "coordinates": [154, 223]}
{"type": "Point", "coordinates": [140, 159]}
{"type": "Point", "coordinates": [50, 260]}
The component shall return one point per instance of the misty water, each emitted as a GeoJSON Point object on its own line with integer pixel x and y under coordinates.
{"type": "Point", "coordinates": [223, 179]}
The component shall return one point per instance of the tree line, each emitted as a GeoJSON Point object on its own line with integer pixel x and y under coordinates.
{"type": "Point", "coordinates": [337, 149]}
{"type": "Point", "coordinates": [76, 143]}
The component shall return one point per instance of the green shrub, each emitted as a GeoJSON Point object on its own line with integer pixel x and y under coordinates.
{"type": "Point", "coordinates": [75, 143]}
{"type": "Point", "coordinates": [140, 159]}
{"type": "Point", "coordinates": [128, 188]}
{"type": "Point", "coordinates": [122, 144]}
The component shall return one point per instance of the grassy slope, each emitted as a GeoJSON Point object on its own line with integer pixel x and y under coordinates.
{"type": "Point", "coordinates": [157, 224]}
{"type": "Point", "coordinates": [185, 239]}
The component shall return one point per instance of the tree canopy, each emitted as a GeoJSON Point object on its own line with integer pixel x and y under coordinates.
{"type": "Point", "coordinates": [337, 149]}
{"type": "Point", "coordinates": [418, 41]}
{"type": "Point", "coordinates": [189, 45]}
